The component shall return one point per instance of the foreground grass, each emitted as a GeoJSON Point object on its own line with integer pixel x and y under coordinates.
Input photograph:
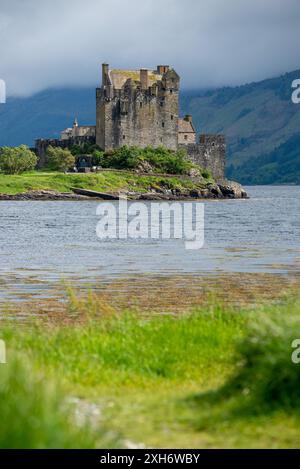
{"type": "Point", "coordinates": [110, 181]}
{"type": "Point", "coordinates": [203, 379]}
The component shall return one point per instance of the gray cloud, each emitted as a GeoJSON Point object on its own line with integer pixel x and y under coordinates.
{"type": "Point", "coordinates": [53, 43]}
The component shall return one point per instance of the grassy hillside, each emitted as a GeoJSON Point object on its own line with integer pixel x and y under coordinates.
{"type": "Point", "coordinates": [261, 124]}
{"type": "Point", "coordinates": [280, 166]}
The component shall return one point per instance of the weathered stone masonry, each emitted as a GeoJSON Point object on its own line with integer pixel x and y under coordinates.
{"type": "Point", "coordinates": [41, 146]}
{"type": "Point", "coordinates": [137, 108]}
{"type": "Point", "coordinates": [210, 153]}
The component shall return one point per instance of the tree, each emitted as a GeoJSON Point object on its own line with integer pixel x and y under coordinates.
{"type": "Point", "coordinates": [17, 160]}
{"type": "Point", "coordinates": [60, 159]}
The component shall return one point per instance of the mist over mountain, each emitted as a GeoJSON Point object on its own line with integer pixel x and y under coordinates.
{"type": "Point", "coordinates": [261, 123]}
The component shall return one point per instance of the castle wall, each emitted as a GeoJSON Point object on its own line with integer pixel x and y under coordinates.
{"type": "Point", "coordinates": [210, 153]}
{"type": "Point", "coordinates": [100, 118]}
{"type": "Point", "coordinates": [146, 121]}
{"type": "Point", "coordinates": [186, 138]}
{"type": "Point", "coordinates": [84, 131]}
{"type": "Point", "coordinates": [41, 146]}
{"type": "Point", "coordinates": [137, 118]}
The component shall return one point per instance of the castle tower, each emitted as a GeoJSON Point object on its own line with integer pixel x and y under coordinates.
{"type": "Point", "coordinates": [137, 108]}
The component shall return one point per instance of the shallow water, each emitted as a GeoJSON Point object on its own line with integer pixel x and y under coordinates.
{"type": "Point", "coordinates": [42, 242]}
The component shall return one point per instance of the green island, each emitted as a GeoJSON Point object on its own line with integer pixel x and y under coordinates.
{"type": "Point", "coordinates": [156, 172]}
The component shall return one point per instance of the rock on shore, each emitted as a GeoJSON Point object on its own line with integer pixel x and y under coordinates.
{"type": "Point", "coordinates": [43, 195]}
{"type": "Point", "coordinates": [233, 190]}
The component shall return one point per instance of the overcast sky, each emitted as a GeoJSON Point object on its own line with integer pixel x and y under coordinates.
{"type": "Point", "coordinates": [50, 43]}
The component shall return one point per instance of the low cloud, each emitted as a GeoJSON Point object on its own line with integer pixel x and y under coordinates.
{"type": "Point", "coordinates": [51, 43]}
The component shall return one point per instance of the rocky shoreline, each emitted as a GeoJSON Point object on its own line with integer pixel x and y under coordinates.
{"type": "Point", "coordinates": [224, 190]}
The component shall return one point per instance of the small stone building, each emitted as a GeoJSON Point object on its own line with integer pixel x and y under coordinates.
{"type": "Point", "coordinates": [186, 131]}
{"type": "Point", "coordinates": [78, 131]}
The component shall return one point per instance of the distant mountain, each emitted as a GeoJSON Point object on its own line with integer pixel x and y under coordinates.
{"type": "Point", "coordinates": [262, 126]}
{"type": "Point", "coordinates": [23, 120]}
{"type": "Point", "coordinates": [280, 166]}
{"type": "Point", "coordinates": [261, 123]}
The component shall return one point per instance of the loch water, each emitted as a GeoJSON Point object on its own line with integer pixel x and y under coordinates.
{"type": "Point", "coordinates": [57, 239]}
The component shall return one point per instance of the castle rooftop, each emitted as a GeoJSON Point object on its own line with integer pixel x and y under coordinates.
{"type": "Point", "coordinates": [119, 77]}
{"type": "Point", "coordinates": [185, 126]}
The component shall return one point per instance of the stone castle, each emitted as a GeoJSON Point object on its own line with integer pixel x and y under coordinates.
{"type": "Point", "coordinates": [141, 108]}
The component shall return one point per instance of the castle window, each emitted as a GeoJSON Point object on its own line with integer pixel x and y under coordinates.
{"type": "Point", "coordinates": [124, 137]}
{"type": "Point", "coordinates": [172, 117]}
{"type": "Point", "coordinates": [162, 124]}
{"type": "Point", "coordinates": [161, 104]}
{"type": "Point", "coordinates": [185, 137]}
{"type": "Point", "coordinates": [141, 104]}
{"type": "Point", "coordinates": [171, 91]}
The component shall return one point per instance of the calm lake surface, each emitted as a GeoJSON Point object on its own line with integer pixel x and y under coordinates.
{"type": "Point", "coordinates": [54, 240]}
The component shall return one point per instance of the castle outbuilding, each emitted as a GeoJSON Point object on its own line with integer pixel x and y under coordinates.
{"type": "Point", "coordinates": [186, 130]}
{"type": "Point", "coordinates": [78, 131]}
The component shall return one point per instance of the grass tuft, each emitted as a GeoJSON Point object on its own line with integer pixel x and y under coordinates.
{"type": "Point", "coordinates": [35, 413]}
{"type": "Point", "coordinates": [265, 371]}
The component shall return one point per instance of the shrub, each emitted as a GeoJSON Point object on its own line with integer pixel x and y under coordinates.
{"type": "Point", "coordinates": [167, 161]}
{"type": "Point", "coordinates": [121, 158]}
{"type": "Point", "coordinates": [60, 159]}
{"type": "Point", "coordinates": [161, 159]}
{"type": "Point", "coordinates": [206, 174]}
{"type": "Point", "coordinates": [85, 149]}
{"type": "Point", "coordinates": [267, 374]}
{"type": "Point", "coordinates": [97, 159]}
{"type": "Point", "coordinates": [17, 160]}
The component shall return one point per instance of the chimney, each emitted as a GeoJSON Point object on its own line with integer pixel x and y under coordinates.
{"type": "Point", "coordinates": [188, 118]}
{"type": "Point", "coordinates": [144, 78]}
{"type": "Point", "coordinates": [161, 69]}
{"type": "Point", "coordinates": [105, 68]}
